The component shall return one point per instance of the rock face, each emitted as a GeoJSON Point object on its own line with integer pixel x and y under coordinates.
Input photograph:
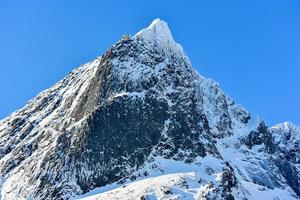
{"type": "Point", "coordinates": [138, 111]}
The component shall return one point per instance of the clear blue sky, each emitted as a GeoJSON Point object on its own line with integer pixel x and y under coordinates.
{"type": "Point", "coordinates": [251, 47]}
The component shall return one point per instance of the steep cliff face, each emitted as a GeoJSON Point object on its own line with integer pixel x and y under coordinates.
{"type": "Point", "coordinates": [141, 110]}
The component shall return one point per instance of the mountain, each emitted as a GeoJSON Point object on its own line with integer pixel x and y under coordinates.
{"type": "Point", "coordinates": [140, 123]}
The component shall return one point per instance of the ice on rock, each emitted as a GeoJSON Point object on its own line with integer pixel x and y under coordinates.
{"type": "Point", "coordinates": [140, 123]}
{"type": "Point", "coordinates": [159, 34]}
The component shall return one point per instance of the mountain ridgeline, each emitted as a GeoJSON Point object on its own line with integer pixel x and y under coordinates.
{"type": "Point", "coordinates": [137, 112]}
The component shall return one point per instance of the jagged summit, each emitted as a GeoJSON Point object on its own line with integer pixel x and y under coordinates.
{"type": "Point", "coordinates": [159, 34]}
{"type": "Point", "coordinates": [158, 30]}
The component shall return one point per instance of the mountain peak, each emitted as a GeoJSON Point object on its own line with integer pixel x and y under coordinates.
{"type": "Point", "coordinates": [137, 112]}
{"type": "Point", "coordinates": [159, 34]}
{"type": "Point", "coordinates": [158, 30]}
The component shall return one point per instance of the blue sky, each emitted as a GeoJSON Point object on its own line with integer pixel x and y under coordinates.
{"type": "Point", "coordinates": [252, 48]}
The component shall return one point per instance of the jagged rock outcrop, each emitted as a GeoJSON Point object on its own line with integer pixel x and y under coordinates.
{"type": "Point", "coordinates": [124, 115]}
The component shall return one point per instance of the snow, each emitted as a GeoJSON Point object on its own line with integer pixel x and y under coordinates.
{"type": "Point", "coordinates": [183, 180]}
{"type": "Point", "coordinates": [154, 187]}
{"type": "Point", "coordinates": [139, 95]}
{"type": "Point", "coordinates": [159, 34]}
{"type": "Point", "coordinates": [193, 181]}
{"type": "Point", "coordinates": [170, 179]}
{"type": "Point", "coordinates": [44, 119]}
{"type": "Point", "coordinates": [255, 191]}
{"type": "Point", "coordinates": [158, 176]}
{"type": "Point", "coordinates": [287, 136]}
{"type": "Point", "coordinates": [286, 130]}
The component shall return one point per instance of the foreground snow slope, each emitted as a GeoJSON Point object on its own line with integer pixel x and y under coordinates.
{"type": "Point", "coordinates": [181, 186]}
{"type": "Point", "coordinates": [141, 117]}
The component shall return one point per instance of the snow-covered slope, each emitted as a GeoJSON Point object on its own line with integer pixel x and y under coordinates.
{"type": "Point", "coordinates": [203, 179]}
{"type": "Point", "coordinates": [140, 120]}
{"type": "Point", "coordinates": [184, 186]}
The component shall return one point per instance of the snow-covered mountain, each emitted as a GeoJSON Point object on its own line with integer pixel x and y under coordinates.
{"type": "Point", "coordinates": [140, 123]}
